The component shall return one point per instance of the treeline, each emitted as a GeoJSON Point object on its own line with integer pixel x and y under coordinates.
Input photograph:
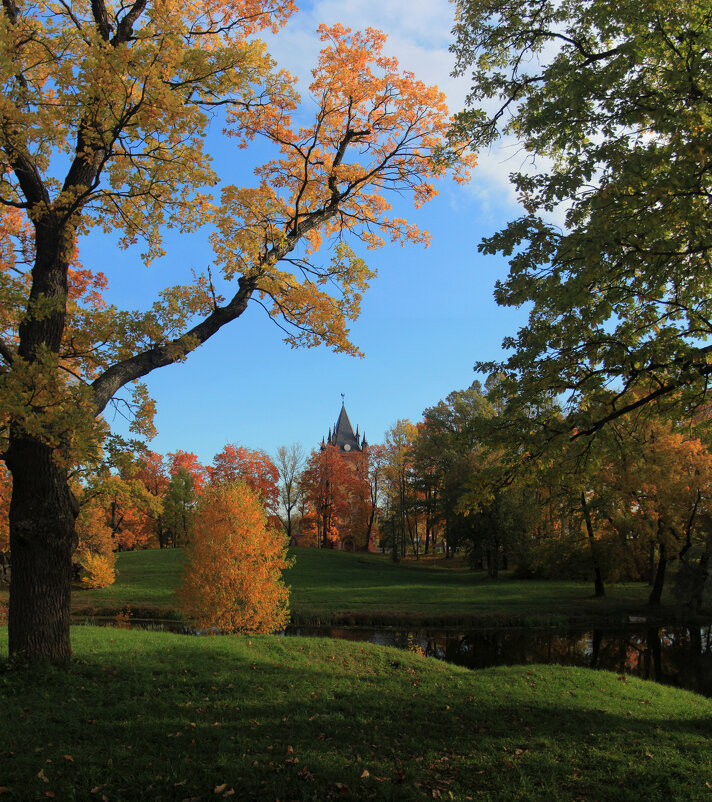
{"type": "Point", "coordinates": [536, 494]}
{"type": "Point", "coordinates": [526, 491]}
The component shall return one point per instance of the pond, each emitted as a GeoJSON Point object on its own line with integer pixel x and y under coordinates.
{"type": "Point", "coordinates": [675, 655]}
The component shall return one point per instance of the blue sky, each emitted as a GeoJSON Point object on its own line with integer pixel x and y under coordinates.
{"type": "Point", "coordinates": [427, 318]}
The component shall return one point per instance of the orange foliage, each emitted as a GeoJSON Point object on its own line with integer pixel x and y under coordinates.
{"type": "Point", "coordinates": [232, 577]}
{"type": "Point", "coordinates": [129, 509]}
{"type": "Point", "coordinates": [251, 465]}
{"type": "Point", "coordinates": [189, 461]}
{"type": "Point", "coordinates": [151, 472]}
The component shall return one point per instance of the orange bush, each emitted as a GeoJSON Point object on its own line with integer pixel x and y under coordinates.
{"type": "Point", "coordinates": [233, 573]}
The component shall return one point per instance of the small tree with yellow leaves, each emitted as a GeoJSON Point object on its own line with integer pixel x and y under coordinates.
{"type": "Point", "coordinates": [96, 546]}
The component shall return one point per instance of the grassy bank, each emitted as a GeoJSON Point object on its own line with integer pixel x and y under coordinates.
{"type": "Point", "coordinates": [339, 588]}
{"type": "Point", "coordinates": [165, 717]}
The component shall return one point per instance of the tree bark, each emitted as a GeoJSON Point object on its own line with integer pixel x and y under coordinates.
{"type": "Point", "coordinates": [657, 592]}
{"type": "Point", "coordinates": [42, 539]}
{"type": "Point", "coordinates": [599, 587]}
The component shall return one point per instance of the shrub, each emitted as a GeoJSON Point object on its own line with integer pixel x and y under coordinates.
{"type": "Point", "coordinates": [98, 569]}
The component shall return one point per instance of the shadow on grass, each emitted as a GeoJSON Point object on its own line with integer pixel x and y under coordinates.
{"type": "Point", "coordinates": [167, 718]}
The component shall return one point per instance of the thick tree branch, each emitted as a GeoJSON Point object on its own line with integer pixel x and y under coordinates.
{"type": "Point", "coordinates": [125, 28]}
{"type": "Point", "coordinates": [120, 374]}
{"type": "Point", "coordinates": [101, 18]}
{"type": "Point", "coordinates": [6, 352]}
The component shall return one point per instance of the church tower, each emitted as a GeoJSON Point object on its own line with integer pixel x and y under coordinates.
{"type": "Point", "coordinates": [346, 505]}
{"type": "Point", "coordinates": [343, 436]}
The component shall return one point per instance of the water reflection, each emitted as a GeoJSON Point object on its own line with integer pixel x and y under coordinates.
{"type": "Point", "coordinates": [680, 656]}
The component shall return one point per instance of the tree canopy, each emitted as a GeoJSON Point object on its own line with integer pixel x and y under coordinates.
{"type": "Point", "coordinates": [611, 102]}
{"type": "Point", "coordinates": [103, 117]}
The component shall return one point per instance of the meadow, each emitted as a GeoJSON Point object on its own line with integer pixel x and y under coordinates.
{"type": "Point", "coordinates": [331, 587]}
{"type": "Point", "coordinates": [153, 715]}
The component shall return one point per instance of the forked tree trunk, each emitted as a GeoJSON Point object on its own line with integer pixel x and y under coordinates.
{"type": "Point", "coordinates": [43, 511]}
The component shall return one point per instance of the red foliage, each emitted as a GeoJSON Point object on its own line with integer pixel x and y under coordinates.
{"type": "Point", "coordinates": [252, 466]}
{"type": "Point", "coordinates": [338, 494]}
{"type": "Point", "coordinates": [186, 459]}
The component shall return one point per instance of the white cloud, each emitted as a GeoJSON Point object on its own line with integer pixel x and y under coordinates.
{"type": "Point", "coordinates": [419, 36]}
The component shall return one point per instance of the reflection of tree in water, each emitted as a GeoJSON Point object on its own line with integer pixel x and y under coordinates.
{"type": "Point", "coordinates": [679, 656]}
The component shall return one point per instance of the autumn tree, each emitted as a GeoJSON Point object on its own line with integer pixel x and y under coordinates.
{"type": "Point", "coordinates": [232, 578]}
{"type": "Point", "coordinates": [253, 467]}
{"type": "Point", "coordinates": [104, 112]}
{"type": "Point", "coordinates": [371, 469]}
{"type": "Point", "coordinates": [151, 471]}
{"type": "Point", "coordinates": [611, 101]}
{"type": "Point", "coordinates": [400, 488]}
{"type": "Point", "coordinates": [179, 506]}
{"type": "Point", "coordinates": [96, 548]}
{"type": "Point", "coordinates": [338, 499]}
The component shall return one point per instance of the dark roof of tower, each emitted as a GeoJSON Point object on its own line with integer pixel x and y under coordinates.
{"type": "Point", "coordinates": [343, 435]}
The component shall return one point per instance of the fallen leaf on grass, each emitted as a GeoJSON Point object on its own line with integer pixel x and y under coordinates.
{"type": "Point", "coordinates": [219, 788]}
{"type": "Point", "coordinates": [41, 776]}
{"type": "Point", "coordinates": [50, 794]}
{"type": "Point", "coordinates": [365, 774]}
{"type": "Point", "coordinates": [342, 789]}
{"type": "Point", "coordinates": [68, 757]}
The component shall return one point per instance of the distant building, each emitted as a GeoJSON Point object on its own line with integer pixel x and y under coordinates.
{"type": "Point", "coordinates": [338, 492]}
{"type": "Point", "coordinates": [343, 436]}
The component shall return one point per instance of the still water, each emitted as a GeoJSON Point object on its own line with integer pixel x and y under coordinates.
{"type": "Point", "coordinates": [677, 655]}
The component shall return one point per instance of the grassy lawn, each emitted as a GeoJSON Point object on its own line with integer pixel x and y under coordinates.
{"type": "Point", "coordinates": [154, 716]}
{"type": "Point", "coordinates": [337, 587]}
{"type": "Point", "coordinates": [145, 580]}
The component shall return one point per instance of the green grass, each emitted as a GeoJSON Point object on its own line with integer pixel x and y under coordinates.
{"type": "Point", "coordinates": [334, 587]}
{"type": "Point", "coordinates": [338, 587]}
{"type": "Point", "coordinates": [146, 580]}
{"type": "Point", "coordinates": [154, 716]}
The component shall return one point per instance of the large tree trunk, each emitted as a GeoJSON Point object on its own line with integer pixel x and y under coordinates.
{"type": "Point", "coordinates": [43, 511]}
